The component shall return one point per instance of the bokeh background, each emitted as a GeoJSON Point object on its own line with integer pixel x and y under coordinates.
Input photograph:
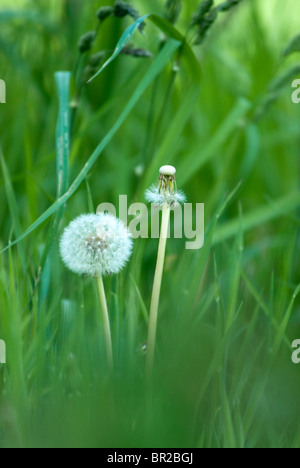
{"type": "Point", "coordinates": [229, 312]}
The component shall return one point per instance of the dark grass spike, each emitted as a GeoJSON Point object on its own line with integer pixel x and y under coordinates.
{"type": "Point", "coordinates": [172, 10]}
{"type": "Point", "coordinates": [136, 52]}
{"type": "Point", "coordinates": [203, 10]}
{"type": "Point", "coordinates": [104, 12]}
{"type": "Point", "coordinates": [123, 9]}
{"type": "Point", "coordinates": [205, 25]}
{"type": "Point", "coordinates": [206, 16]}
{"type": "Point", "coordinates": [86, 41]}
{"type": "Point", "coordinates": [226, 6]}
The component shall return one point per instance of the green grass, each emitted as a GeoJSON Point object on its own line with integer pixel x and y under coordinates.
{"type": "Point", "coordinates": [228, 312]}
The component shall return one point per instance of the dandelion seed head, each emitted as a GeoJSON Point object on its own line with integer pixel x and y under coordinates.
{"type": "Point", "coordinates": [96, 245]}
{"type": "Point", "coordinates": [166, 191]}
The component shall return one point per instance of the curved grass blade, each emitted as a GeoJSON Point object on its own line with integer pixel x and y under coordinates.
{"type": "Point", "coordinates": [62, 154]}
{"type": "Point", "coordinates": [13, 208]}
{"type": "Point", "coordinates": [196, 264]}
{"type": "Point", "coordinates": [159, 63]}
{"type": "Point", "coordinates": [141, 301]}
{"type": "Point", "coordinates": [259, 216]}
{"type": "Point", "coordinates": [126, 37]}
{"type": "Point", "coordinates": [253, 144]}
{"type": "Point", "coordinates": [292, 47]}
{"type": "Point", "coordinates": [172, 136]}
{"type": "Point", "coordinates": [195, 161]}
{"type": "Point", "coordinates": [63, 132]}
{"type": "Point", "coordinates": [285, 321]}
{"type": "Point", "coordinates": [187, 54]}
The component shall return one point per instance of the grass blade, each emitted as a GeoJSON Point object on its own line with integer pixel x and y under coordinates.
{"type": "Point", "coordinates": [292, 47]}
{"type": "Point", "coordinates": [193, 163]}
{"type": "Point", "coordinates": [259, 216]}
{"type": "Point", "coordinates": [285, 321]}
{"type": "Point", "coordinates": [13, 207]}
{"type": "Point", "coordinates": [165, 27]}
{"type": "Point", "coordinates": [172, 137]}
{"type": "Point", "coordinates": [126, 37]}
{"type": "Point", "coordinates": [62, 154]}
{"type": "Point", "coordinates": [63, 132]}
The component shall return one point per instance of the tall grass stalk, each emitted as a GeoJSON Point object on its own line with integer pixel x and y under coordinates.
{"type": "Point", "coordinates": [157, 289]}
{"type": "Point", "coordinates": [105, 320]}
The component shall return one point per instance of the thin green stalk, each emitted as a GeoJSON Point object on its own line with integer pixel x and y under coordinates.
{"type": "Point", "coordinates": [156, 289]}
{"type": "Point", "coordinates": [105, 319]}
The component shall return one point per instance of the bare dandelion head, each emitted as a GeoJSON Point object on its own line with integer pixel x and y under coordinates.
{"type": "Point", "coordinates": [96, 245]}
{"type": "Point", "coordinates": [166, 190]}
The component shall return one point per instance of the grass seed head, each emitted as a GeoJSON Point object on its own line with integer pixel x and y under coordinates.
{"type": "Point", "coordinates": [104, 12]}
{"type": "Point", "coordinates": [123, 9]}
{"type": "Point", "coordinates": [97, 59]}
{"type": "Point", "coordinates": [136, 52]}
{"type": "Point", "coordinates": [173, 10]}
{"type": "Point", "coordinates": [203, 10]}
{"type": "Point", "coordinates": [86, 41]}
{"type": "Point", "coordinates": [228, 4]}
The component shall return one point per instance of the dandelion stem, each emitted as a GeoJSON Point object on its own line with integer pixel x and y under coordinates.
{"type": "Point", "coordinates": [156, 289]}
{"type": "Point", "coordinates": [105, 318]}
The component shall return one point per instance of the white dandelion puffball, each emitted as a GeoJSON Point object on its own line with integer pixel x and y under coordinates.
{"type": "Point", "coordinates": [96, 245]}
